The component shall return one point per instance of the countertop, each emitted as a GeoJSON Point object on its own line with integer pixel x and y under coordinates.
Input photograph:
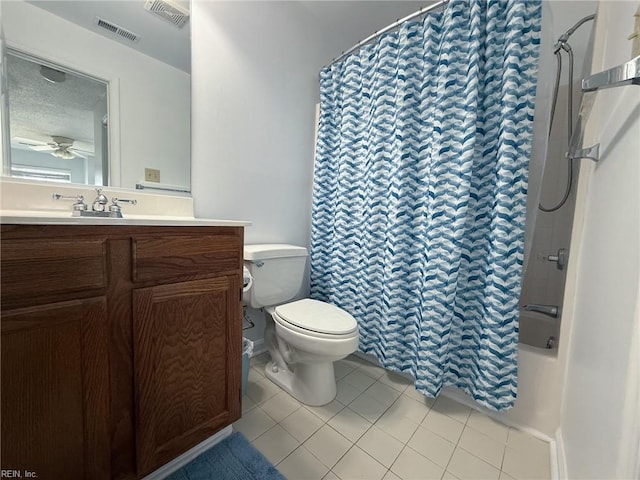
{"type": "Point", "coordinates": [32, 217]}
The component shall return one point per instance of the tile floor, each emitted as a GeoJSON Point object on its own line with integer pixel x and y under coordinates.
{"type": "Point", "coordinates": [379, 427]}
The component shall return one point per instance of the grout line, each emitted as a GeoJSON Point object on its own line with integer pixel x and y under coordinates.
{"type": "Point", "coordinates": [429, 408]}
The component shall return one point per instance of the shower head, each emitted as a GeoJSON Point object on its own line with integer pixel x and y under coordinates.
{"type": "Point", "coordinates": [564, 38]}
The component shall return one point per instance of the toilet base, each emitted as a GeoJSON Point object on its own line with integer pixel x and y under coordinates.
{"type": "Point", "coordinates": [311, 384]}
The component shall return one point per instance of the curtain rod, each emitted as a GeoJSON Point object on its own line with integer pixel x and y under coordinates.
{"type": "Point", "coordinates": [394, 25]}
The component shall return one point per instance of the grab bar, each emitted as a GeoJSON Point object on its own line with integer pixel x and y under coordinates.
{"type": "Point", "coordinates": [626, 74]}
{"type": "Point", "coordinates": [550, 310]}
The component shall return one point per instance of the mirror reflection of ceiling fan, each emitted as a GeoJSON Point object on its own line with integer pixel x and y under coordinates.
{"type": "Point", "coordinates": [61, 147]}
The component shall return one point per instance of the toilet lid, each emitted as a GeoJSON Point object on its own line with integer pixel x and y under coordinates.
{"type": "Point", "coordinates": [317, 316]}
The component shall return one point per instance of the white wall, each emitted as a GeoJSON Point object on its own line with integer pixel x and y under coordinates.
{"type": "Point", "coordinates": [154, 98]}
{"type": "Point", "coordinates": [255, 72]}
{"type": "Point", "coordinates": [255, 69]}
{"type": "Point", "coordinates": [600, 419]}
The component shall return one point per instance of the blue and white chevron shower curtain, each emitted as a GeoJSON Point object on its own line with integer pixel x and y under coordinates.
{"type": "Point", "coordinates": [420, 193]}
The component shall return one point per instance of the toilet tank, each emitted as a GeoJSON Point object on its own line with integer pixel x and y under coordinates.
{"type": "Point", "coordinates": [277, 271]}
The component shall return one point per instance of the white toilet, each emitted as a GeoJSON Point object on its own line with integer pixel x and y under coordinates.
{"type": "Point", "coordinates": [303, 337]}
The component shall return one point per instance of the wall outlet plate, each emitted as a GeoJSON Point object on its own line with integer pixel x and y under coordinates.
{"type": "Point", "coordinates": [151, 175]}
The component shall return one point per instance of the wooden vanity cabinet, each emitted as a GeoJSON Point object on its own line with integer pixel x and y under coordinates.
{"type": "Point", "coordinates": [121, 346]}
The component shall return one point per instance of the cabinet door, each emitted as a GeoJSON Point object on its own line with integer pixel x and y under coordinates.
{"type": "Point", "coordinates": [187, 364]}
{"type": "Point", "coordinates": [55, 390]}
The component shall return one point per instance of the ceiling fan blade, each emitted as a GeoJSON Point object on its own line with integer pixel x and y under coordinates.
{"type": "Point", "coordinates": [42, 148]}
{"type": "Point", "coordinates": [27, 141]}
{"type": "Point", "coordinates": [76, 153]}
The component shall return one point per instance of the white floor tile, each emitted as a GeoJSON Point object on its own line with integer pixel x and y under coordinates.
{"type": "Point", "coordinates": [391, 476]}
{"type": "Point", "coordinates": [374, 371]}
{"type": "Point", "coordinates": [469, 467]}
{"type": "Point", "coordinates": [443, 425]}
{"type": "Point", "coordinates": [327, 445]}
{"type": "Point", "coordinates": [482, 446]}
{"type": "Point", "coordinates": [410, 465]}
{"type": "Point", "coordinates": [410, 408]}
{"type": "Point", "coordinates": [449, 476]}
{"type": "Point", "coordinates": [262, 390]}
{"type": "Point", "coordinates": [247, 404]}
{"type": "Point", "coordinates": [342, 368]}
{"type": "Point", "coordinates": [452, 409]}
{"type": "Point", "coordinates": [347, 393]}
{"type": "Point", "coordinates": [418, 396]}
{"type": "Point", "coordinates": [381, 446]}
{"type": "Point", "coordinates": [383, 393]}
{"type": "Point", "coordinates": [368, 407]}
{"type": "Point", "coordinates": [395, 380]}
{"type": "Point", "coordinates": [349, 424]}
{"type": "Point", "coordinates": [487, 425]}
{"type": "Point", "coordinates": [301, 424]}
{"type": "Point", "coordinates": [280, 406]}
{"type": "Point", "coordinates": [255, 374]}
{"type": "Point", "coordinates": [524, 442]}
{"type": "Point", "coordinates": [325, 412]}
{"type": "Point", "coordinates": [302, 465]}
{"type": "Point", "coordinates": [412, 436]}
{"type": "Point", "coordinates": [358, 465]}
{"type": "Point", "coordinates": [355, 361]}
{"type": "Point", "coordinates": [525, 465]}
{"type": "Point", "coordinates": [330, 476]}
{"type": "Point", "coordinates": [432, 446]}
{"type": "Point", "coordinates": [397, 425]}
{"type": "Point", "coordinates": [254, 424]}
{"type": "Point", "coordinates": [359, 380]}
{"type": "Point", "coordinates": [275, 444]}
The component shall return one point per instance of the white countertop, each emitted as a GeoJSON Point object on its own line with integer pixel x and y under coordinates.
{"type": "Point", "coordinates": [33, 217]}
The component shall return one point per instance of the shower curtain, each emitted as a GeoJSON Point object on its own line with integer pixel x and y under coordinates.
{"type": "Point", "coordinates": [420, 191]}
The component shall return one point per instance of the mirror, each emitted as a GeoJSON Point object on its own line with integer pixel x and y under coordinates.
{"type": "Point", "coordinates": [140, 58]}
{"type": "Point", "coordinates": [57, 123]}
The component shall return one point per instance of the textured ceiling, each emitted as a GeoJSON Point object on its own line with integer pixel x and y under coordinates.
{"type": "Point", "coordinates": [39, 109]}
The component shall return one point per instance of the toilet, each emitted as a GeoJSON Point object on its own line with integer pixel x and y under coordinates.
{"type": "Point", "coordinates": [304, 337]}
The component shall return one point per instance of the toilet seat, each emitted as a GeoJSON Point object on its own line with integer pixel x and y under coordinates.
{"type": "Point", "coordinates": [316, 318]}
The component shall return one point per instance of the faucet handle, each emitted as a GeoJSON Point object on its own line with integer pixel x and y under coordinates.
{"type": "Point", "coordinates": [116, 209]}
{"type": "Point", "coordinates": [560, 258]}
{"type": "Point", "coordinates": [79, 204]}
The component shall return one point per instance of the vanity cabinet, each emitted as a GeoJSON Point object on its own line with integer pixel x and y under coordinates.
{"type": "Point", "coordinates": [121, 345]}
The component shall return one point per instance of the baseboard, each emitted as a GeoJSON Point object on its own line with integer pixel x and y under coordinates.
{"type": "Point", "coordinates": [189, 455]}
{"type": "Point", "coordinates": [560, 458]}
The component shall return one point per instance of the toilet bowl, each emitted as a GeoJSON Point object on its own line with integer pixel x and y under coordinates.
{"type": "Point", "coordinates": [304, 337]}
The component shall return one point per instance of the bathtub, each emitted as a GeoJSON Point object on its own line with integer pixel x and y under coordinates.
{"type": "Point", "coordinates": [537, 407]}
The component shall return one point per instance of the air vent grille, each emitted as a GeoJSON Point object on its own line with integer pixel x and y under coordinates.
{"type": "Point", "coordinates": [169, 10]}
{"type": "Point", "coordinates": [116, 29]}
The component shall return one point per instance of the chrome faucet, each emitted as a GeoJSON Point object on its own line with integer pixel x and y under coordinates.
{"type": "Point", "coordinates": [100, 203]}
{"type": "Point", "coordinates": [550, 310]}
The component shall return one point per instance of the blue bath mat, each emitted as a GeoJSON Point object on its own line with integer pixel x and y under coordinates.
{"type": "Point", "coordinates": [234, 458]}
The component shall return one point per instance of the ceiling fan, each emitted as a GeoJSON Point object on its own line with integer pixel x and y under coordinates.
{"type": "Point", "coordinates": [61, 147]}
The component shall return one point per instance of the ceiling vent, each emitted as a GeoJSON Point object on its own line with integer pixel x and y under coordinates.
{"type": "Point", "coordinates": [123, 33]}
{"type": "Point", "coordinates": [170, 10]}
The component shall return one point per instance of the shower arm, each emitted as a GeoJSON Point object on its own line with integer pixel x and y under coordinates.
{"type": "Point", "coordinates": [564, 38]}
{"type": "Point", "coordinates": [563, 44]}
